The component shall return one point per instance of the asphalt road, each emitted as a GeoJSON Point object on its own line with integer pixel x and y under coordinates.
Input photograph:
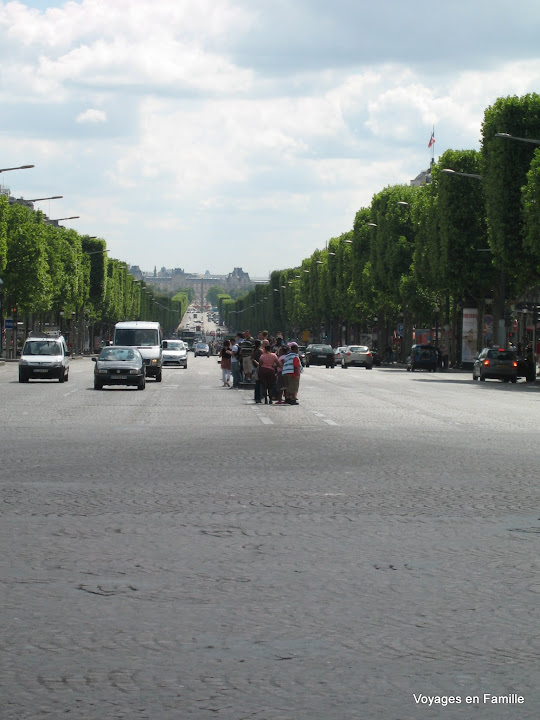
{"type": "Point", "coordinates": [183, 553]}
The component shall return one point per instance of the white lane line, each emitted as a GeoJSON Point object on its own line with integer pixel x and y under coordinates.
{"type": "Point", "coordinates": [324, 419]}
{"type": "Point", "coordinates": [72, 392]}
{"type": "Point", "coordinates": [263, 418]}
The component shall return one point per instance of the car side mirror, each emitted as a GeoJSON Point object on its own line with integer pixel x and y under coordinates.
{"type": "Point", "coordinates": [164, 344]}
{"type": "Point", "coordinates": [94, 359]}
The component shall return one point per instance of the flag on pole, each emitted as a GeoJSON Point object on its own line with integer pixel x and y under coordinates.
{"type": "Point", "coordinates": [432, 139]}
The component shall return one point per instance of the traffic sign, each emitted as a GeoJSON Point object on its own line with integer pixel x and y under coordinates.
{"type": "Point", "coordinates": [8, 324]}
{"type": "Point", "coordinates": [400, 329]}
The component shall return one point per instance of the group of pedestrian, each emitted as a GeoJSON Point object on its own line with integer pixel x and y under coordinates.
{"type": "Point", "coordinates": [270, 364]}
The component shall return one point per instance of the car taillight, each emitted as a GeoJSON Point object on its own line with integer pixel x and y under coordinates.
{"type": "Point", "coordinates": [514, 363]}
{"type": "Point", "coordinates": [368, 354]}
{"type": "Point", "coordinates": [347, 353]}
{"type": "Point", "coordinates": [486, 362]}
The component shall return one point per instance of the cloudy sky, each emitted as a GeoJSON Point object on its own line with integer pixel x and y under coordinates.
{"type": "Point", "coordinates": [212, 134]}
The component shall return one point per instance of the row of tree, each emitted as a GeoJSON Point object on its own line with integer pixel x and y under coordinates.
{"type": "Point", "coordinates": [55, 277]}
{"type": "Point", "coordinates": [417, 255]}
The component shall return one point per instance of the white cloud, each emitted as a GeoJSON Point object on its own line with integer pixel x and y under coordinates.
{"type": "Point", "coordinates": [207, 123]}
{"type": "Point", "coordinates": [92, 116]}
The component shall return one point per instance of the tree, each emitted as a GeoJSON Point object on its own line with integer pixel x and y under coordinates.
{"type": "Point", "coordinates": [506, 164]}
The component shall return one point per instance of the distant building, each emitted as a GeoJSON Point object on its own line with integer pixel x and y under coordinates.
{"type": "Point", "coordinates": [423, 178]}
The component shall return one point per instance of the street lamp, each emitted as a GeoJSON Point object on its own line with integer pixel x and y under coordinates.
{"type": "Point", "coordinates": [513, 137]}
{"type": "Point", "coordinates": [448, 171]}
{"type": "Point", "coordinates": [72, 217]}
{"type": "Point", "coordinates": [52, 197]}
{"type": "Point", "coordinates": [21, 167]}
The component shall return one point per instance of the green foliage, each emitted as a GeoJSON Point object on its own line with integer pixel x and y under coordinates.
{"type": "Point", "coordinates": [506, 164]}
{"type": "Point", "coordinates": [531, 210]}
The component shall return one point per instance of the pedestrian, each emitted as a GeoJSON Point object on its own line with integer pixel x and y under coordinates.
{"type": "Point", "coordinates": [255, 356]}
{"type": "Point", "coordinates": [235, 361]}
{"type": "Point", "coordinates": [291, 374]}
{"type": "Point", "coordinates": [279, 382]}
{"type": "Point", "coordinates": [226, 358]}
{"type": "Point", "coordinates": [268, 363]}
{"type": "Point", "coordinates": [246, 349]}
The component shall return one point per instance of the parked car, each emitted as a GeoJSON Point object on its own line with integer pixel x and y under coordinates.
{"type": "Point", "coordinates": [174, 353]}
{"type": "Point", "coordinates": [319, 354]}
{"type": "Point", "coordinates": [422, 357]}
{"type": "Point", "coordinates": [495, 364]}
{"type": "Point", "coordinates": [202, 348]}
{"type": "Point", "coordinates": [44, 355]}
{"type": "Point", "coordinates": [338, 354]}
{"type": "Point", "coordinates": [359, 355]}
{"type": "Point", "coordinates": [119, 365]}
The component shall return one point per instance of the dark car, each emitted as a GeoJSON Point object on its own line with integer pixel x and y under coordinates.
{"type": "Point", "coordinates": [119, 365]}
{"type": "Point", "coordinates": [319, 354]}
{"type": "Point", "coordinates": [422, 357]}
{"type": "Point", "coordinates": [495, 364]}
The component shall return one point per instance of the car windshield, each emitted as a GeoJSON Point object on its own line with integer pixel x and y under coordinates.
{"type": "Point", "coordinates": [359, 349]}
{"type": "Point", "coordinates": [113, 354]}
{"type": "Point", "coordinates": [42, 347]}
{"type": "Point", "coordinates": [202, 346]}
{"type": "Point", "coordinates": [139, 337]}
{"type": "Point", "coordinates": [322, 348]}
{"type": "Point", "coordinates": [174, 345]}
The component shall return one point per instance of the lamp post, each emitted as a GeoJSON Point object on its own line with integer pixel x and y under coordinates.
{"type": "Point", "coordinates": [20, 167]}
{"type": "Point", "coordinates": [55, 222]}
{"type": "Point", "coordinates": [533, 141]}
{"type": "Point", "coordinates": [501, 329]}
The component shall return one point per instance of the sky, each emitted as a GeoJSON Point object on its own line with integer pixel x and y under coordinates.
{"type": "Point", "coordinates": [213, 134]}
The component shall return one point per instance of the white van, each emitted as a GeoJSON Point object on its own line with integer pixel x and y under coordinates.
{"type": "Point", "coordinates": [147, 338]}
{"type": "Point", "coordinates": [44, 355]}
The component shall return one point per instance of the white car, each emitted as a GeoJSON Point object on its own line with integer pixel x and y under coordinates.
{"type": "Point", "coordinates": [44, 355]}
{"type": "Point", "coordinates": [359, 355]}
{"type": "Point", "coordinates": [339, 352]}
{"type": "Point", "coordinates": [174, 353]}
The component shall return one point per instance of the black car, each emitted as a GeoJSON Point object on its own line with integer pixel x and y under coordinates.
{"type": "Point", "coordinates": [119, 365]}
{"type": "Point", "coordinates": [423, 357]}
{"type": "Point", "coordinates": [319, 354]}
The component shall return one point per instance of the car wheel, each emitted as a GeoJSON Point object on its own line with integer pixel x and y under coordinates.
{"type": "Point", "coordinates": [514, 380]}
{"type": "Point", "coordinates": [67, 376]}
{"type": "Point", "coordinates": [62, 378]}
{"type": "Point", "coordinates": [369, 367]}
{"type": "Point", "coordinates": [23, 378]}
{"type": "Point", "coordinates": [142, 384]}
{"type": "Point", "coordinates": [482, 378]}
{"type": "Point", "coordinates": [98, 385]}
{"type": "Point", "coordinates": [158, 375]}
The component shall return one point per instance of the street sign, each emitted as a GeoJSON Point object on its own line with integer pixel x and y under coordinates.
{"type": "Point", "coordinates": [8, 324]}
{"type": "Point", "coordinates": [400, 329]}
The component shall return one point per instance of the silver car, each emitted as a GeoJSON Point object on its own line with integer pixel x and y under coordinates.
{"type": "Point", "coordinates": [359, 355]}
{"type": "Point", "coordinates": [175, 353]}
